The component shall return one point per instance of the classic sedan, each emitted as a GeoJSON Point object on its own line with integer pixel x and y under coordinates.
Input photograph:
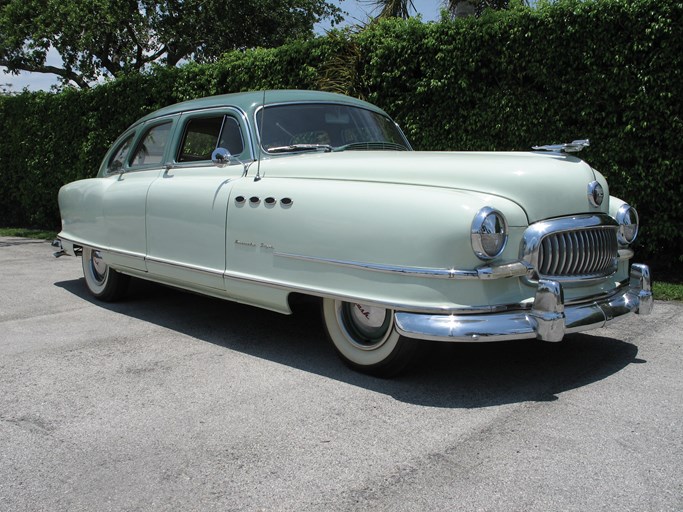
{"type": "Point", "coordinates": [267, 198]}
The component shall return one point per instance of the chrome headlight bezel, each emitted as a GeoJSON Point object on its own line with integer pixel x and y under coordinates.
{"type": "Point", "coordinates": [628, 220]}
{"type": "Point", "coordinates": [596, 193]}
{"type": "Point", "coordinates": [489, 233]}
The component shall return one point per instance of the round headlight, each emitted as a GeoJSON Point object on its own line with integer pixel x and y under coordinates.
{"type": "Point", "coordinates": [489, 233]}
{"type": "Point", "coordinates": [627, 217]}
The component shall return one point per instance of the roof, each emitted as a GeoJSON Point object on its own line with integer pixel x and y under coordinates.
{"type": "Point", "coordinates": [250, 101]}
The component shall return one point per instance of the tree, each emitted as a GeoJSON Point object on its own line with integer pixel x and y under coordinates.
{"type": "Point", "coordinates": [393, 8]}
{"type": "Point", "coordinates": [456, 8]}
{"type": "Point", "coordinates": [463, 8]}
{"type": "Point", "coordinates": [97, 38]}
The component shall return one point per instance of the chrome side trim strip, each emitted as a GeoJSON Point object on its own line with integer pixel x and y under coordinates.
{"type": "Point", "coordinates": [184, 266]}
{"type": "Point", "coordinates": [80, 243]}
{"type": "Point", "coordinates": [142, 257]}
{"type": "Point", "coordinates": [394, 269]}
{"type": "Point", "coordinates": [504, 269]}
{"type": "Point", "coordinates": [137, 255]}
{"type": "Point", "coordinates": [401, 306]}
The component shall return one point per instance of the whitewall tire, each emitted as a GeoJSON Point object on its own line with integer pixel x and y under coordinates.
{"type": "Point", "coordinates": [102, 282]}
{"type": "Point", "coordinates": [365, 339]}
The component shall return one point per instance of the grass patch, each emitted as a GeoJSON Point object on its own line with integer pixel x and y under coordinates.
{"type": "Point", "coordinates": [28, 233]}
{"type": "Point", "coordinates": [667, 291]}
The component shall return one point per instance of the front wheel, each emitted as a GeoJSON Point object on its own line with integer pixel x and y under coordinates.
{"type": "Point", "coordinates": [365, 339]}
{"type": "Point", "coordinates": [103, 282]}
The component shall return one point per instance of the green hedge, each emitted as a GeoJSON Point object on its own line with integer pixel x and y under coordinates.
{"type": "Point", "coordinates": [605, 70]}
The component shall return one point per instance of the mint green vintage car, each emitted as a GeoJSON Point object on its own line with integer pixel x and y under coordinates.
{"type": "Point", "coordinates": [267, 198]}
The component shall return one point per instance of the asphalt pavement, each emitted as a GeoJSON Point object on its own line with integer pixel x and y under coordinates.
{"type": "Point", "coordinates": [173, 401]}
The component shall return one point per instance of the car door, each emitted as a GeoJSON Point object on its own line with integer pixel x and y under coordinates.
{"type": "Point", "coordinates": [187, 205]}
{"type": "Point", "coordinates": [138, 161]}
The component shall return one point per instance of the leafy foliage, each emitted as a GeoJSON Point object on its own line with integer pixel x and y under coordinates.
{"type": "Point", "coordinates": [98, 38]}
{"type": "Point", "coordinates": [607, 70]}
{"type": "Point", "coordinates": [604, 70]}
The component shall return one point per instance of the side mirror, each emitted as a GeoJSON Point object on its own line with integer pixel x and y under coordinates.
{"type": "Point", "coordinates": [115, 166]}
{"type": "Point", "coordinates": [221, 157]}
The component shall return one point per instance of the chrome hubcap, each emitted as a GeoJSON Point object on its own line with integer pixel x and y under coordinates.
{"type": "Point", "coordinates": [98, 266]}
{"type": "Point", "coordinates": [366, 327]}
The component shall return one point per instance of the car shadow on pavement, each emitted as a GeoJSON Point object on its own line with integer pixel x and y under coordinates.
{"type": "Point", "coordinates": [455, 375]}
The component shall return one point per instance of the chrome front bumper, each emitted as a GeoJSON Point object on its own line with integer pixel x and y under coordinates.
{"type": "Point", "coordinates": [548, 319]}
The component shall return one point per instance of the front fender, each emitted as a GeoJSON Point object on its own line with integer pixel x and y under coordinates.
{"type": "Point", "coordinates": [292, 243]}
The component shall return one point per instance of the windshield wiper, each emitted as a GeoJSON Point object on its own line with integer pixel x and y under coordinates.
{"type": "Point", "coordinates": [300, 147]}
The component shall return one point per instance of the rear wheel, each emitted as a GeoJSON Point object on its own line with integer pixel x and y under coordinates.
{"type": "Point", "coordinates": [365, 339]}
{"type": "Point", "coordinates": [103, 282]}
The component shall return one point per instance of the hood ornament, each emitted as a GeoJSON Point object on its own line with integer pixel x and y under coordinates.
{"type": "Point", "coordinates": [568, 147]}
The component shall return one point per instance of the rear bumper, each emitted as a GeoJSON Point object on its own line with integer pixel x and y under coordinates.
{"type": "Point", "coordinates": [549, 319]}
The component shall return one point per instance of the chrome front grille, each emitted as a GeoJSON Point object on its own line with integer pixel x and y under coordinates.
{"type": "Point", "coordinates": [577, 253]}
{"type": "Point", "coordinates": [572, 248]}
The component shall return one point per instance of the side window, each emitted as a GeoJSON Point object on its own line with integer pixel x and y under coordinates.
{"type": "Point", "coordinates": [204, 134]}
{"type": "Point", "coordinates": [231, 137]}
{"type": "Point", "coordinates": [200, 139]}
{"type": "Point", "coordinates": [119, 157]}
{"type": "Point", "coordinates": [151, 148]}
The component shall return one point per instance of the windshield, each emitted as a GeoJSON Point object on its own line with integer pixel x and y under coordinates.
{"type": "Point", "coordinates": [327, 127]}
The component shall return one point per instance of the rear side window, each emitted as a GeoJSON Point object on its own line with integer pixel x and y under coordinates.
{"type": "Point", "coordinates": [204, 134]}
{"type": "Point", "coordinates": [151, 148]}
{"type": "Point", "coordinates": [119, 157]}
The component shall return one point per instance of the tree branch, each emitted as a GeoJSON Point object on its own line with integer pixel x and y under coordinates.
{"type": "Point", "coordinates": [155, 56]}
{"type": "Point", "coordinates": [104, 55]}
{"type": "Point", "coordinates": [61, 72]}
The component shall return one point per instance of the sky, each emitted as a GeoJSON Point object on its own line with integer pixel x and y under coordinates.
{"type": "Point", "coordinates": [358, 11]}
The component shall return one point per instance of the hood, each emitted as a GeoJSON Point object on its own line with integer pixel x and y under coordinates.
{"type": "Point", "coordinates": [544, 185]}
